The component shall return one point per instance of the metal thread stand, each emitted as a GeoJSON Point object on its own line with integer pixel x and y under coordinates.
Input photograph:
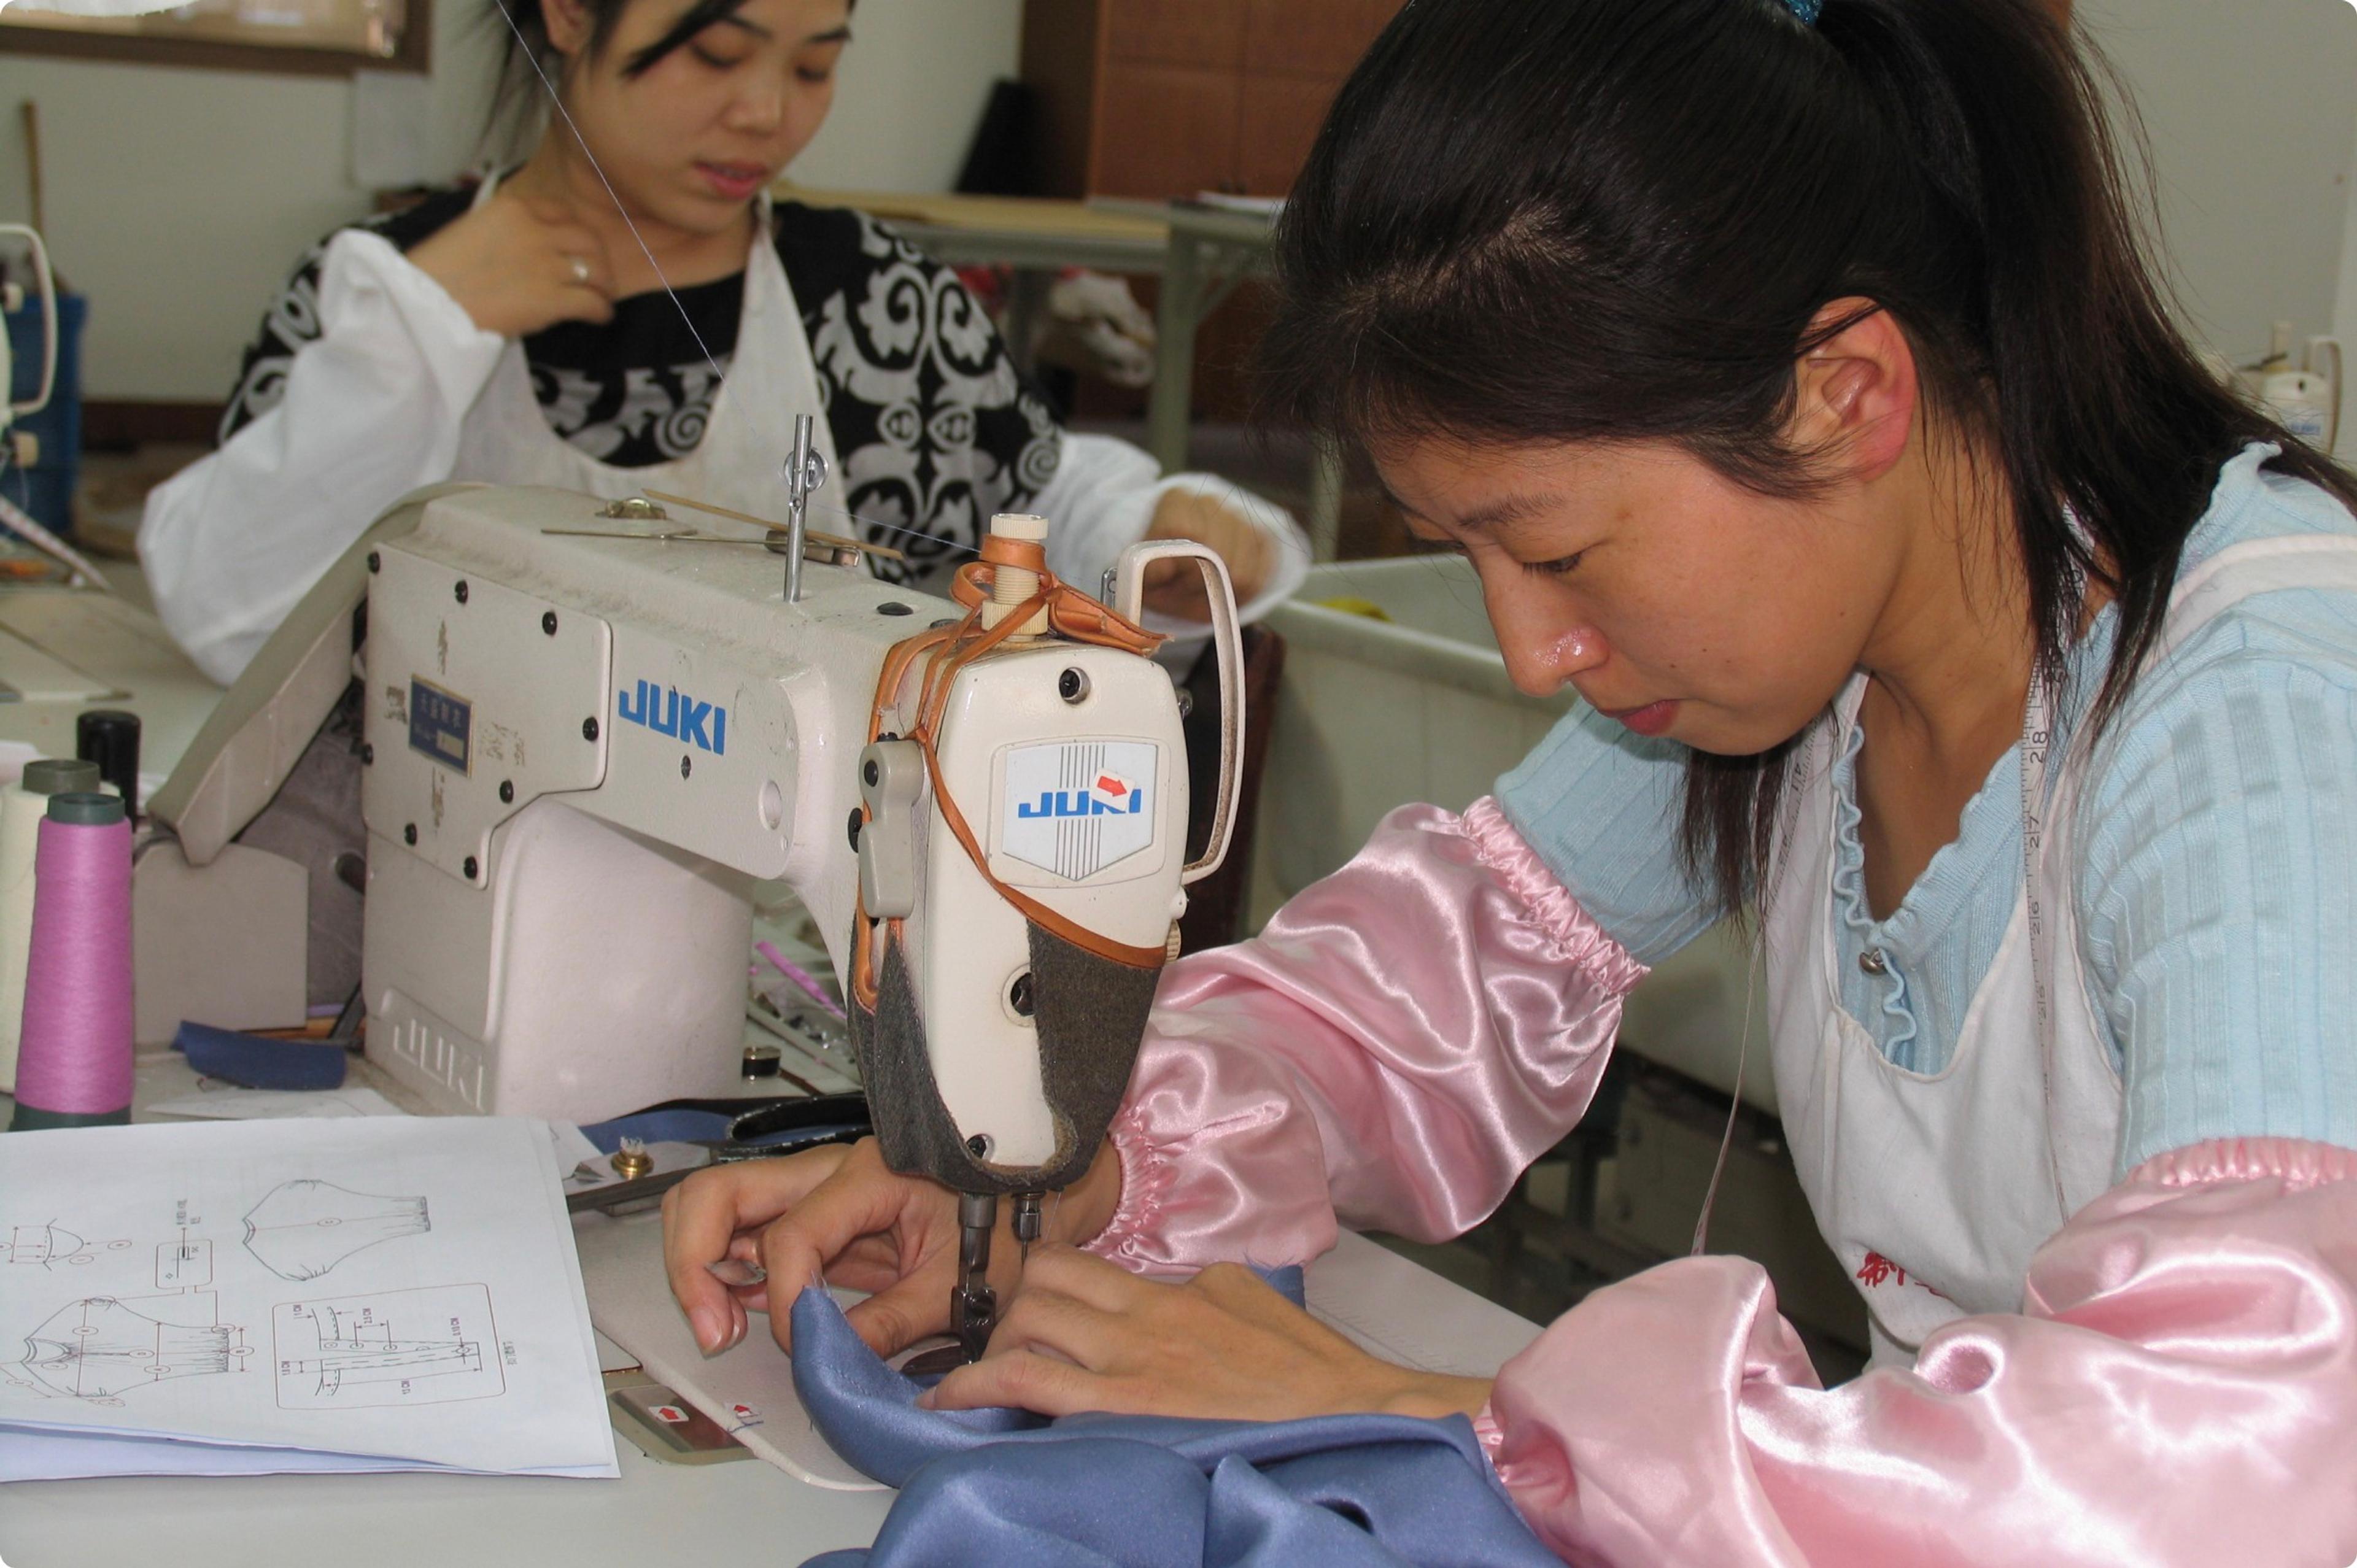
{"type": "Point", "coordinates": [805, 472]}
{"type": "Point", "coordinates": [1211, 250]}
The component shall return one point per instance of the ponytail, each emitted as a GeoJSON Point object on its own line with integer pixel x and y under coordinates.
{"type": "Point", "coordinates": [1662, 195]}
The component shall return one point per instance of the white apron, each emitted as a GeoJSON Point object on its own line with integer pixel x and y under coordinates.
{"type": "Point", "coordinates": [1935, 1189]}
{"type": "Point", "coordinates": [506, 440]}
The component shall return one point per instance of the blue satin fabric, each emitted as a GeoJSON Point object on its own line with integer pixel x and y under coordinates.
{"type": "Point", "coordinates": [1095, 1491]}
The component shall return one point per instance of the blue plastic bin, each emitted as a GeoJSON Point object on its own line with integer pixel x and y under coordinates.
{"type": "Point", "coordinates": [46, 490]}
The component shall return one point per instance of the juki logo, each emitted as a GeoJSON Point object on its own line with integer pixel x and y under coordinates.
{"type": "Point", "coordinates": [1113, 796]}
{"type": "Point", "coordinates": [1077, 808]}
{"type": "Point", "coordinates": [666, 712]}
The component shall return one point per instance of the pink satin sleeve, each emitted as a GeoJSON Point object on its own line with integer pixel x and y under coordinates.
{"type": "Point", "coordinates": [1403, 1039]}
{"type": "Point", "coordinates": [2180, 1388]}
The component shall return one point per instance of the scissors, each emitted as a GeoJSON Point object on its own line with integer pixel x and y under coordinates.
{"type": "Point", "coordinates": [756, 1129]}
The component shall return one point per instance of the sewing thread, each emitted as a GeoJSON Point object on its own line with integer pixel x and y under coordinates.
{"type": "Point", "coordinates": [22, 807]}
{"type": "Point", "coordinates": [73, 1067]}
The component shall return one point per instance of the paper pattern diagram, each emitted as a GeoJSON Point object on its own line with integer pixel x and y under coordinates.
{"type": "Point", "coordinates": [101, 1347]}
{"type": "Point", "coordinates": [43, 1246]}
{"type": "Point", "coordinates": [301, 1230]}
{"type": "Point", "coordinates": [411, 1347]}
{"type": "Point", "coordinates": [285, 1295]}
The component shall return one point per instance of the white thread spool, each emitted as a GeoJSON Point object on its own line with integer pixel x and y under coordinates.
{"type": "Point", "coordinates": [22, 806]}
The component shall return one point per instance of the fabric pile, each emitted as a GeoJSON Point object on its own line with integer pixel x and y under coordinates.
{"type": "Point", "coordinates": [1096, 1491]}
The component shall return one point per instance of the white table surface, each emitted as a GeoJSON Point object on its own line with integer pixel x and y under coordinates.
{"type": "Point", "coordinates": [655, 1514]}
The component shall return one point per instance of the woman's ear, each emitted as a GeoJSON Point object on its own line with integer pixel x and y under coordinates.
{"type": "Point", "coordinates": [569, 27]}
{"type": "Point", "coordinates": [1858, 391]}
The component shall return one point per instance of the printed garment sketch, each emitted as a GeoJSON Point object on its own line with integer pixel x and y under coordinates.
{"type": "Point", "coordinates": [183, 1264]}
{"type": "Point", "coordinates": [101, 1347]}
{"type": "Point", "coordinates": [301, 1230]}
{"type": "Point", "coordinates": [51, 1244]}
{"type": "Point", "coordinates": [409, 1347]}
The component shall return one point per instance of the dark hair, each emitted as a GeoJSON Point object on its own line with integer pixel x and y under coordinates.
{"type": "Point", "coordinates": [527, 52]}
{"type": "Point", "coordinates": [1551, 220]}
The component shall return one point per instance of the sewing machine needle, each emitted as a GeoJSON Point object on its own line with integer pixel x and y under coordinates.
{"type": "Point", "coordinates": [1028, 1222]}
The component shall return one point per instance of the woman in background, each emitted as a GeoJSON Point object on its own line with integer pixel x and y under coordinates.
{"type": "Point", "coordinates": [629, 310]}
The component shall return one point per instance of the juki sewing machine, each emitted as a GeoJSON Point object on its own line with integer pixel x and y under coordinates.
{"type": "Point", "coordinates": [585, 743]}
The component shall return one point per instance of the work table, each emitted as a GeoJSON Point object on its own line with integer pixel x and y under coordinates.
{"type": "Point", "coordinates": [656, 1513]}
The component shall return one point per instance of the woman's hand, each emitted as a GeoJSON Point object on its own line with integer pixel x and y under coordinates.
{"type": "Point", "coordinates": [517, 264]}
{"type": "Point", "coordinates": [1085, 1334]}
{"type": "Point", "coordinates": [839, 1216]}
{"type": "Point", "coordinates": [1175, 587]}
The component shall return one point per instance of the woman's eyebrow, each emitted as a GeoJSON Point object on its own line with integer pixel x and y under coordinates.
{"type": "Point", "coordinates": [1506, 509]}
{"type": "Point", "coordinates": [1488, 514]}
{"type": "Point", "coordinates": [841, 35]}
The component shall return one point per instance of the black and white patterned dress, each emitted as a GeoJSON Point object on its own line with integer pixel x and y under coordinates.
{"type": "Point", "coordinates": [933, 427]}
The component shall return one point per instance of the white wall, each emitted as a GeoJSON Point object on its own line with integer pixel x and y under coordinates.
{"type": "Point", "coordinates": [178, 199]}
{"type": "Point", "coordinates": [2252, 110]}
{"type": "Point", "coordinates": [2344, 315]}
{"type": "Point", "coordinates": [914, 85]}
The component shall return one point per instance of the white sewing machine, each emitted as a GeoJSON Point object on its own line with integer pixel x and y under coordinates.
{"type": "Point", "coordinates": [585, 745]}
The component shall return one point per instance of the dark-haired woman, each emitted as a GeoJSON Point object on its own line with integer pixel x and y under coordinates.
{"type": "Point", "coordinates": [627, 310]}
{"type": "Point", "coordinates": [1793, 380]}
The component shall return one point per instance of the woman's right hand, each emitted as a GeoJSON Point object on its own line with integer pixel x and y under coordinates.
{"type": "Point", "coordinates": [841, 1217]}
{"type": "Point", "coordinates": [517, 265]}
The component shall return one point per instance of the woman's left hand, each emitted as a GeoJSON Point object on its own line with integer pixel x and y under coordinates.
{"type": "Point", "coordinates": [1084, 1334]}
{"type": "Point", "coordinates": [1175, 587]}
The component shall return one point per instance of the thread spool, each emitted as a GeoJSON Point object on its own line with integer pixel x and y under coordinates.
{"type": "Point", "coordinates": [22, 807]}
{"type": "Point", "coordinates": [1011, 586]}
{"type": "Point", "coordinates": [73, 1069]}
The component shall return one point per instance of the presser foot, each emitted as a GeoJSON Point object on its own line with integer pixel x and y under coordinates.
{"type": "Point", "coordinates": [974, 1313]}
{"type": "Point", "coordinates": [974, 1305]}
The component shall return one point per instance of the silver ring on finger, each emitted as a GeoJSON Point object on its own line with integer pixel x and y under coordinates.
{"type": "Point", "coordinates": [580, 269]}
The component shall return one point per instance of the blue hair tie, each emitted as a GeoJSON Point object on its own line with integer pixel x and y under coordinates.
{"type": "Point", "coordinates": [1807, 10]}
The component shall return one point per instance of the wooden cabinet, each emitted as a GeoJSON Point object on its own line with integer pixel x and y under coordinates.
{"type": "Point", "coordinates": [1167, 98]}
{"type": "Point", "coordinates": [1311, 38]}
{"type": "Point", "coordinates": [1206, 33]}
{"type": "Point", "coordinates": [1163, 130]}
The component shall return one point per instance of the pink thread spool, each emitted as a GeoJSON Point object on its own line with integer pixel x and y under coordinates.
{"type": "Point", "coordinates": [73, 1069]}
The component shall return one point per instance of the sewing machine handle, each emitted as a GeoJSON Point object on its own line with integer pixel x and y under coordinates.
{"type": "Point", "coordinates": [1129, 599]}
{"type": "Point", "coordinates": [49, 288]}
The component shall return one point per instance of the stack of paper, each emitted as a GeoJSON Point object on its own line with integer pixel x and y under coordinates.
{"type": "Point", "coordinates": [365, 1293]}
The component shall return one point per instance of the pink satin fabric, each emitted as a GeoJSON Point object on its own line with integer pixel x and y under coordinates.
{"type": "Point", "coordinates": [2180, 1387]}
{"type": "Point", "coordinates": [1403, 1039]}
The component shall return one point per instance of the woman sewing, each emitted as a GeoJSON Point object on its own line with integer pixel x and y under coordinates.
{"type": "Point", "coordinates": [1792, 378]}
{"type": "Point", "coordinates": [627, 310]}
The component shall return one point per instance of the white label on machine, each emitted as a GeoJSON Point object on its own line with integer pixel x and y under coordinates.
{"type": "Point", "coordinates": [1077, 807]}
